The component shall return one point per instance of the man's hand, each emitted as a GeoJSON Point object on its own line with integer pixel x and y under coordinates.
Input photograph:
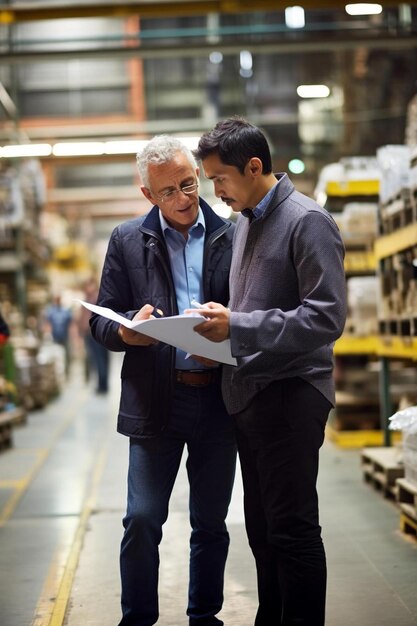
{"type": "Point", "coordinates": [216, 327]}
{"type": "Point", "coordinates": [133, 338]}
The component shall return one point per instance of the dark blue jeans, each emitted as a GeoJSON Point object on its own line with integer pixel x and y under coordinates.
{"type": "Point", "coordinates": [279, 436]}
{"type": "Point", "coordinates": [199, 421]}
{"type": "Point", "coordinates": [98, 357]}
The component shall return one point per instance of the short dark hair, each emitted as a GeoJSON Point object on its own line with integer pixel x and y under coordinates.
{"type": "Point", "coordinates": [236, 141]}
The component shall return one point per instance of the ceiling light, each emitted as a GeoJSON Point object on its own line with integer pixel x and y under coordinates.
{"type": "Point", "coordinates": [246, 60]}
{"type": "Point", "coordinates": [124, 147]}
{"type": "Point", "coordinates": [85, 148]}
{"type": "Point", "coordinates": [296, 166]}
{"type": "Point", "coordinates": [295, 17]}
{"type": "Point", "coordinates": [313, 91]}
{"type": "Point", "coordinates": [216, 57]}
{"type": "Point", "coordinates": [245, 64]}
{"type": "Point", "coordinates": [26, 150]}
{"type": "Point", "coordinates": [190, 142]}
{"type": "Point", "coordinates": [363, 8]}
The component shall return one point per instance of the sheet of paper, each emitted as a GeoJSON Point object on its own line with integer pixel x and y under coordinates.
{"type": "Point", "coordinates": [177, 331]}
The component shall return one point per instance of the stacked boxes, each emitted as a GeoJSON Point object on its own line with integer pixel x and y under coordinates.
{"type": "Point", "coordinates": [410, 456]}
{"type": "Point", "coordinates": [406, 421]}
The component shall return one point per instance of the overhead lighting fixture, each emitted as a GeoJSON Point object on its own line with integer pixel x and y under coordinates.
{"type": "Point", "coordinates": [26, 150]}
{"type": "Point", "coordinates": [363, 8]}
{"type": "Point", "coordinates": [313, 91]}
{"type": "Point", "coordinates": [246, 64]}
{"type": "Point", "coordinates": [295, 17]}
{"type": "Point", "coordinates": [124, 147]}
{"type": "Point", "coordinates": [85, 148]}
{"type": "Point", "coordinates": [190, 142]}
{"type": "Point", "coordinates": [216, 57]}
{"type": "Point", "coordinates": [296, 166]}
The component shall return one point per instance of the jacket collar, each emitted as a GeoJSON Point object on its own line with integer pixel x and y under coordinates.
{"type": "Point", "coordinates": [283, 189]}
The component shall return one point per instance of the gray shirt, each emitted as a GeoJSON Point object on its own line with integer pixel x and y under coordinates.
{"type": "Point", "coordinates": [287, 296]}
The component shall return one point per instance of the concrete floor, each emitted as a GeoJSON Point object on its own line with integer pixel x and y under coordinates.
{"type": "Point", "coordinates": [62, 498]}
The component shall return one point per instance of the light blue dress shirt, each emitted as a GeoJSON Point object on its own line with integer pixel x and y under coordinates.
{"type": "Point", "coordinates": [186, 257]}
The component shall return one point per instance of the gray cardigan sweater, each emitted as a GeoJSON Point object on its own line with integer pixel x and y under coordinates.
{"type": "Point", "coordinates": [287, 297]}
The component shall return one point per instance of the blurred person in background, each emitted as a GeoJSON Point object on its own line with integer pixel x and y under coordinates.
{"type": "Point", "coordinates": [7, 367]}
{"type": "Point", "coordinates": [4, 330]}
{"type": "Point", "coordinates": [59, 321]}
{"type": "Point", "coordinates": [96, 355]}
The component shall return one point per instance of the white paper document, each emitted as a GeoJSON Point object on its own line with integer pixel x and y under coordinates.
{"type": "Point", "coordinates": [177, 331]}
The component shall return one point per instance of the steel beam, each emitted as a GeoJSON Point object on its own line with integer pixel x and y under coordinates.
{"type": "Point", "coordinates": [304, 45]}
{"type": "Point", "coordinates": [151, 9]}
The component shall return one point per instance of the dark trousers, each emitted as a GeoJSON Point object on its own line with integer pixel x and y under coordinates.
{"type": "Point", "coordinates": [279, 436]}
{"type": "Point", "coordinates": [200, 422]}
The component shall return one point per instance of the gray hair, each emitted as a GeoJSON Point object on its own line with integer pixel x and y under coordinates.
{"type": "Point", "coordinates": [160, 149]}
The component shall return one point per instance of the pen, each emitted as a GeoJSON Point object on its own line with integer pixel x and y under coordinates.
{"type": "Point", "coordinates": [196, 304]}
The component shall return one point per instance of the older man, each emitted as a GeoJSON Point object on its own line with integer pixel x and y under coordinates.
{"type": "Point", "coordinates": [179, 252]}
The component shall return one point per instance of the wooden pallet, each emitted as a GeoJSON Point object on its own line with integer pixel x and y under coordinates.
{"type": "Point", "coordinates": [9, 419]}
{"type": "Point", "coordinates": [406, 495]}
{"type": "Point", "coordinates": [398, 213]}
{"type": "Point", "coordinates": [408, 525]}
{"type": "Point", "coordinates": [381, 468]}
{"type": "Point", "coordinates": [357, 409]}
{"type": "Point", "coordinates": [404, 327]}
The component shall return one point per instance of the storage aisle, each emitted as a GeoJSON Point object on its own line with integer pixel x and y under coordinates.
{"type": "Point", "coordinates": [62, 497]}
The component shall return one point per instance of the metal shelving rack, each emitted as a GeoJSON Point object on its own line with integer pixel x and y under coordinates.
{"type": "Point", "coordinates": [402, 342]}
{"type": "Point", "coordinates": [359, 261]}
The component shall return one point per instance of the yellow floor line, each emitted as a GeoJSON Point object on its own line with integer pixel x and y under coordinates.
{"type": "Point", "coordinates": [53, 601]}
{"type": "Point", "coordinates": [46, 601]}
{"type": "Point", "coordinates": [22, 485]}
{"type": "Point", "coordinates": [12, 483]}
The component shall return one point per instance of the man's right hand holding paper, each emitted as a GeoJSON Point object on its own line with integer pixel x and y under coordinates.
{"type": "Point", "coordinates": [133, 338]}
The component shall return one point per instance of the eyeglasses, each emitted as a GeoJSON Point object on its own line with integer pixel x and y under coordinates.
{"type": "Point", "coordinates": [170, 195]}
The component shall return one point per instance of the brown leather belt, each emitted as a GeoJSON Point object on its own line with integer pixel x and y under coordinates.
{"type": "Point", "coordinates": [197, 378]}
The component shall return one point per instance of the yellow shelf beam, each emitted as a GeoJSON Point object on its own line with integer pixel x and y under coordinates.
{"type": "Point", "coordinates": [390, 244]}
{"type": "Point", "coordinates": [397, 347]}
{"type": "Point", "coordinates": [352, 188]}
{"type": "Point", "coordinates": [360, 261]}
{"type": "Point", "coordinates": [359, 438]}
{"type": "Point", "coordinates": [390, 347]}
{"type": "Point", "coordinates": [356, 345]}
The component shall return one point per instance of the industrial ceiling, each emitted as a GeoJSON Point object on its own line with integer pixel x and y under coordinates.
{"type": "Point", "coordinates": [21, 12]}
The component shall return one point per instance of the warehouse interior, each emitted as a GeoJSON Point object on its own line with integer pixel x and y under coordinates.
{"type": "Point", "coordinates": [82, 86]}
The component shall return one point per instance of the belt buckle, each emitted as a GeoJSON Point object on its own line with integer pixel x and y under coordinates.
{"type": "Point", "coordinates": [206, 377]}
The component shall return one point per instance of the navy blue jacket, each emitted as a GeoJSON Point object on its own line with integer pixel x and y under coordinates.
{"type": "Point", "coordinates": [136, 272]}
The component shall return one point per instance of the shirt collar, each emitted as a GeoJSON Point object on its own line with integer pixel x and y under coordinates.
{"type": "Point", "coordinates": [199, 221]}
{"type": "Point", "coordinates": [259, 210]}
